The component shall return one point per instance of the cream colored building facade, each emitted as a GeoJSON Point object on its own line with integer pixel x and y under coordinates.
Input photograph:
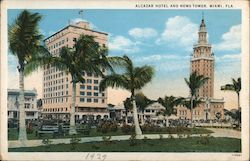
{"type": "Point", "coordinates": [57, 86]}
{"type": "Point", "coordinates": [203, 62]}
{"type": "Point", "coordinates": [30, 104]}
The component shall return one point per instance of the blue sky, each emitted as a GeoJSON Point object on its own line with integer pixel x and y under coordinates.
{"type": "Point", "coordinates": [161, 38]}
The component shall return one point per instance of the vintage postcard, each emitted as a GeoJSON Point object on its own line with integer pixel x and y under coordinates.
{"type": "Point", "coordinates": [124, 80]}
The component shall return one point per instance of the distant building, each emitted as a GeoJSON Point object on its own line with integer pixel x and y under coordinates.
{"type": "Point", "coordinates": [202, 62]}
{"type": "Point", "coordinates": [151, 111]}
{"type": "Point", "coordinates": [30, 104]}
{"type": "Point", "coordinates": [57, 86]}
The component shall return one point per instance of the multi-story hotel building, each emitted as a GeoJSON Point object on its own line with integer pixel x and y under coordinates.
{"type": "Point", "coordinates": [57, 86]}
{"type": "Point", "coordinates": [202, 61]}
{"type": "Point", "coordinates": [30, 104]}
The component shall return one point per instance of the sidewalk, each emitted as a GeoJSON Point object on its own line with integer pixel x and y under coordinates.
{"type": "Point", "coordinates": [225, 133]}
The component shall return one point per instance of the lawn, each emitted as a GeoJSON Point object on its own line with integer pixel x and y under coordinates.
{"type": "Point", "coordinates": [193, 144]}
{"type": "Point", "coordinates": [13, 133]}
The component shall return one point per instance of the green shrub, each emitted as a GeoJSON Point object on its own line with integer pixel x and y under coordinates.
{"type": "Point", "coordinates": [204, 140]}
{"type": "Point", "coordinates": [179, 136]}
{"type": "Point", "coordinates": [107, 139]}
{"type": "Point", "coordinates": [29, 129]}
{"type": "Point", "coordinates": [74, 141]}
{"type": "Point", "coordinates": [170, 136]}
{"type": "Point", "coordinates": [47, 142]}
{"type": "Point", "coordinates": [132, 140]}
{"type": "Point", "coordinates": [113, 127]}
{"type": "Point", "coordinates": [127, 129]}
{"type": "Point", "coordinates": [151, 128]}
{"type": "Point", "coordinates": [106, 127]}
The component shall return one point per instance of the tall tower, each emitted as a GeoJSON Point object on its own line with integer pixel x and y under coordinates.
{"type": "Point", "coordinates": [202, 61]}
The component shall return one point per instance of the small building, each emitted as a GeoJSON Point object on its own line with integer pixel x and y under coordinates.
{"type": "Point", "coordinates": [151, 111]}
{"type": "Point", "coordinates": [206, 110]}
{"type": "Point", "coordinates": [30, 104]}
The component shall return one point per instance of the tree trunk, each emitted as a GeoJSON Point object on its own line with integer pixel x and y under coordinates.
{"type": "Point", "coordinates": [167, 125]}
{"type": "Point", "coordinates": [72, 129]}
{"type": "Point", "coordinates": [238, 97]}
{"type": "Point", "coordinates": [136, 121]}
{"type": "Point", "coordinates": [126, 119]}
{"type": "Point", "coordinates": [142, 118]}
{"type": "Point", "coordinates": [22, 126]}
{"type": "Point", "coordinates": [191, 107]}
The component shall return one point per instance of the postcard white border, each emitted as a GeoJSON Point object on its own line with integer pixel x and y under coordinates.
{"type": "Point", "coordinates": [122, 4]}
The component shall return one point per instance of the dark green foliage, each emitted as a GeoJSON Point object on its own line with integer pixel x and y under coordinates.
{"type": "Point", "coordinates": [106, 127]}
{"type": "Point", "coordinates": [132, 140]}
{"type": "Point", "coordinates": [194, 82]}
{"type": "Point", "coordinates": [74, 141]}
{"type": "Point", "coordinates": [29, 129]}
{"type": "Point", "coordinates": [127, 129]}
{"type": "Point", "coordinates": [151, 128]}
{"type": "Point", "coordinates": [107, 139]}
{"type": "Point", "coordinates": [169, 103]}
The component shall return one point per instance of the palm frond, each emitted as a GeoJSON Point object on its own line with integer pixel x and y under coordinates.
{"type": "Point", "coordinates": [142, 75]}
{"type": "Point", "coordinates": [114, 80]}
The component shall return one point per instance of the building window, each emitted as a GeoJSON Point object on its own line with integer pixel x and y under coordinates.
{"type": "Point", "coordinates": [82, 99]}
{"type": "Point", "coordinates": [89, 87]}
{"type": "Point", "coordinates": [89, 74]}
{"type": "Point", "coordinates": [95, 94]}
{"type": "Point", "coordinates": [96, 81]}
{"type": "Point", "coordinates": [89, 81]}
{"type": "Point", "coordinates": [103, 101]}
{"type": "Point", "coordinates": [103, 94]}
{"type": "Point", "coordinates": [74, 39]}
{"type": "Point", "coordinates": [82, 86]}
{"type": "Point", "coordinates": [89, 100]}
{"type": "Point", "coordinates": [30, 114]}
{"type": "Point", "coordinates": [82, 93]}
{"type": "Point", "coordinates": [89, 94]}
{"type": "Point", "coordinates": [96, 88]}
{"type": "Point", "coordinates": [96, 100]}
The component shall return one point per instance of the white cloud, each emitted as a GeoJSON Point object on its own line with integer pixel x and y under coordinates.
{"type": "Point", "coordinates": [76, 20]}
{"type": "Point", "coordinates": [121, 43]}
{"type": "Point", "coordinates": [142, 33]}
{"type": "Point", "coordinates": [179, 31]}
{"type": "Point", "coordinates": [165, 62]}
{"type": "Point", "coordinates": [231, 40]}
{"type": "Point", "coordinates": [159, 57]}
{"type": "Point", "coordinates": [228, 57]}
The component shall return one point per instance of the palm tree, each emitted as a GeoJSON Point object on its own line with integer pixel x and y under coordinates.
{"type": "Point", "coordinates": [128, 106]}
{"type": "Point", "coordinates": [25, 43]}
{"type": "Point", "coordinates": [194, 82]}
{"type": "Point", "coordinates": [169, 103]}
{"type": "Point", "coordinates": [236, 87]}
{"type": "Point", "coordinates": [187, 103]}
{"type": "Point", "coordinates": [133, 79]}
{"type": "Point", "coordinates": [142, 102]}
